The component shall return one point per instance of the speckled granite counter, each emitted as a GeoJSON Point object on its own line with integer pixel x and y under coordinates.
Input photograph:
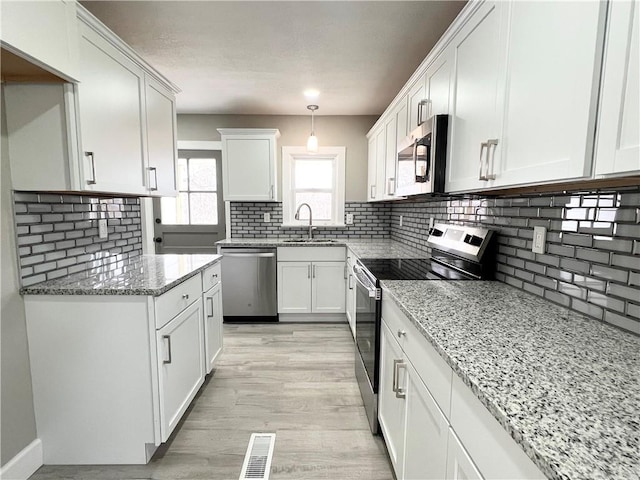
{"type": "Point", "coordinates": [565, 387]}
{"type": "Point", "coordinates": [143, 275]}
{"type": "Point", "coordinates": [363, 248]}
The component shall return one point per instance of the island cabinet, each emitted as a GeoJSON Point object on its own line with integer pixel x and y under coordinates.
{"type": "Point", "coordinates": [311, 283]}
{"type": "Point", "coordinates": [618, 143]}
{"type": "Point", "coordinates": [525, 86]}
{"type": "Point", "coordinates": [43, 33]}
{"type": "Point", "coordinates": [114, 374]}
{"type": "Point", "coordinates": [432, 423]}
{"type": "Point", "coordinates": [249, 164]}
{"type": "Point", "coordinates": [113, 132]}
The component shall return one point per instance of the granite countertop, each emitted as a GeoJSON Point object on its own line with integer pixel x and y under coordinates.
{"type": "Point", "coordinates": [141, 275]}
{"type": "Point", "coordinates": [565, 387]}
{"type": "Point", "coordinates": [363, 248]}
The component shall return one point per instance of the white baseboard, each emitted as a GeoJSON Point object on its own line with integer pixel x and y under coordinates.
{"type": "Point", "coordinates": [25, 463]}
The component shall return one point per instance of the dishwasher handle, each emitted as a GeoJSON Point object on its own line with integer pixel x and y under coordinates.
{"type": "Point", "coordinates": [247, 255]}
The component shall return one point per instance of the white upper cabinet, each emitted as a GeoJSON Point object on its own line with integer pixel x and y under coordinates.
{"type": "Point", "coordinates": [114, 132]}
{"type": "Point", "coordinates": [391, 147]}
{"type": "Point", "coordinates": [525, 91]}
{"type": "Point", "coordinates": [438, 84]}
{"type": "Point", "coordinates": [249, 164]}
{"type": "Point", "coordinates": [475, 109]}
{"type": "Point", "coordinates": [376, 165]}
{"type": "Point", "coordinates": [618, 142]}
{"type": "Point", "coordinates": [43, 33]}
{"type": "Point", "coordinates": [111, 117]}
{"type": "Point", "coordinates": [161, 138]}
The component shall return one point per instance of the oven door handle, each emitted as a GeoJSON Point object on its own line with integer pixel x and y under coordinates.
{"type": "Point", "coordinates": [373, 291]}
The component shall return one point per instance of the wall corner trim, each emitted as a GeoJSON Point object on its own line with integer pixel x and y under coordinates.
{"type": "Point", "coordinates": [25, 463]}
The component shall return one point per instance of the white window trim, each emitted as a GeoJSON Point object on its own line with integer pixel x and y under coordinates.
{"type": "Point", "coordinates": [289, 154]}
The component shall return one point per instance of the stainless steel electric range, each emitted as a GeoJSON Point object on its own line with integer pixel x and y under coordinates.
{"type": "Point", "coordinates": [457, 253]}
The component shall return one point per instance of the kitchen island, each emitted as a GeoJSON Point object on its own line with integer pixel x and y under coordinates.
{"type": "Point", "coordinates": [564, 387]}
{"type": "Point", "coordinates": [119, 352]}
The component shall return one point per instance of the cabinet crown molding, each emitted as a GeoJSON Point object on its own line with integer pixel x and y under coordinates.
{"type": "Point", "coordinates": [249, 131]}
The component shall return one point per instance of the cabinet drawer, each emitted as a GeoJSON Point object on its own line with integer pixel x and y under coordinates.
{"type": "Point", "coordinates": [211, 276]}
{"type": "Point", "coordinates": [430, 366]}
{"type": "Point", "coordinates": [171, 303]}
{"type": "Point", "coordinates": [311, 254]}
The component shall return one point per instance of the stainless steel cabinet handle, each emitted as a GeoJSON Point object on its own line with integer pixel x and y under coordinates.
{"type": "Point", "coordinates": [373, 191]}
{"type": "Point", "coordinates": [271, 192]}
{"type": "Point", "coordinates": [483, 145]}
{"type": "Point", "coordinates": [167, 338]}
{"type": "Point", "coordinates": [401, 333]}
{"type": "Point", "coordinates": [350, 285]}
{"type": "Point", "coordinates": [309, 271]}
{"type": "Point", "coordinates": [391, 186]}
{"type": "Point", "coordinates": [400, 391]}
{"type": "Point", "coordinates": [210, 302]}
{"type": "Point", "coordinates": [492, 142]}
{"type": "Point", "coordinates": [155, 175]}
{"type": "Point", "coordinates": [185, 296]}
{"type": "Point", "coordinates": [345, 271]}
{"type": "Point", "coordinates": [422, 103]}
{"type": "Point", "coordinates": [92, 181]}
{"type": "Point", "coordinates": [394, 382]}
{"type": "Point", "coordinates": [314, 272]}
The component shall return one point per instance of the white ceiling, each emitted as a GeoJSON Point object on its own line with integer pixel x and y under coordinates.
{"type": "Point", "coordinates": [240, 57]}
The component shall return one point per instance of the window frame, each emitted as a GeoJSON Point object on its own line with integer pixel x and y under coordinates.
{"type": "Point", "coordinates": [289, 156]}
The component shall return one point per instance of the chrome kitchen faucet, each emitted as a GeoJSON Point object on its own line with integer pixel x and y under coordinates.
{"type": "Point", "coordinates": [297, 217]}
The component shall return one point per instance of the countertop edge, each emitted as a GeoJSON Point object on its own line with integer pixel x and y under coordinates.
{"type": "Point", "coordinates": [155, 292]}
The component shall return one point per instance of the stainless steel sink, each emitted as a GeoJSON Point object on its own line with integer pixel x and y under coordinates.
{"type": "Point", "coordinates": [309, 240]}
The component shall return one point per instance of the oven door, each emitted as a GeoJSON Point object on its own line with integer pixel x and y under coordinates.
{"type": "Point", "coordinates": [368, 324]}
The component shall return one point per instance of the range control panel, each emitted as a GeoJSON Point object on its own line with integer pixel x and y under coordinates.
{"type": "Point", "coordinates": [464, 241]}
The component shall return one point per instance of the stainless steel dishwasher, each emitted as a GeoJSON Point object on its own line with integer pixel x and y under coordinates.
{"type": "Point", "coordinates": [249, 292]}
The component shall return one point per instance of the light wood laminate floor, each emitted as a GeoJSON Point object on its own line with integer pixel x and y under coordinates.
{"type": "Point", "coordinates": [296, 380]}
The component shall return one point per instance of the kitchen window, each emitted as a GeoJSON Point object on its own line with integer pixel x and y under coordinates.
{"type": "Point", "coordinates": [197, 200]}
{"type": "Point", "coordinates": [317, 179]}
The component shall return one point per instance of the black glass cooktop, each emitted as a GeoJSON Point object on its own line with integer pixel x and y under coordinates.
{"type": "Point", "coordinates": [411, 269]}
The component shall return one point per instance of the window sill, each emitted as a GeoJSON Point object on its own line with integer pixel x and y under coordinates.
{"type": "Point", "coordinates": [299, 226]}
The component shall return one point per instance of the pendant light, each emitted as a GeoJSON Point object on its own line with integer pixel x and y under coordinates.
{"type": "Point", "coordinates": [312, 141]}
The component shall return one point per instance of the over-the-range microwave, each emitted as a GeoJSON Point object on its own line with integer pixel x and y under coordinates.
{"type": "Point", "coordinates": [422, 158]}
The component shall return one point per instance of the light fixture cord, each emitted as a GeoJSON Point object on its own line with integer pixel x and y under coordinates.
{"type": "Point", "coordinates": [312, 129]}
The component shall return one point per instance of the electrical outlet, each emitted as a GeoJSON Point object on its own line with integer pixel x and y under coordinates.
{"type": "Point", "coordinates": [539, 239]}
{"type": "Point", "coordinates": [266, 217]}
{"type": "Point", "coordinates": [102, 228]}
{"type": "Point", "coordinates": [349, 220]}
{"type": "Point", "coordinates": [400, 220]}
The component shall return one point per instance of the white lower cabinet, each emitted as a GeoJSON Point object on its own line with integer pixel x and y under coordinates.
{"type": "Point", "coordinates": [213, 325]}
{"type": "Point", "coordinates": [459, 464]}
{"type": "Point", "coordinates": [112, 375]}
{"type": "Point", "coordinates": [350, 300]}
{"type": "Point", "coordinates": [433, 424]}
{"type": "Point", "coordinates": [311, 280]}
{"type": "Point", "coordinates": [180, 365]}
{"type": "Point", "coordinates": [414, 428]}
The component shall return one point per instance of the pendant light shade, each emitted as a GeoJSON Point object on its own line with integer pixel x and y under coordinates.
{"type": "Point", "coordinates": [312, 141]}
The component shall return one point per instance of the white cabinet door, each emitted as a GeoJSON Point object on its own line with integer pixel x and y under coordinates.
{"type": "Point", "coordinates": [425, 450]}
{"type": "Point", "coordinates": [417, 104]}
{"type": "Point", "coordinates": [43, 32]}
{"type": "Point", "coordinates": [459, 464]}
{"type": "Point", "coordinates": [402, 126]}
{"type": "Point", "coordinates": [294, 287]}
{"type": "Point", "coordinates": [351, 302]}
{"type": "Point", "coordinates": [381, 161]}
{"type": "Point", "coordinates": [111, 117]}
{"type": "Point", "coordinates": [554, 51]}
{"type": "Point", "coordinates": [391, 405]}
{"type": "Point", "coordinates": [180, 365]}
{"type": "Point", "coordinates": [161, 138]}
{"type": "Point", "coordinates": [438, 84]}
{"type": "Point", "coordinates": [618, 145]}
{"type": "Point", "coordinates": [372, 168]}
{"type": "Point", "coordinates": [475, 113]}
{"type": "Point", "coordinates": [213, 325]}
{"type": "Point", "coordinates": [328, 287]}
{"type": "Point", "coordinates": [391, 151]}
{"type": "Point", "coordinates": [249, 158]}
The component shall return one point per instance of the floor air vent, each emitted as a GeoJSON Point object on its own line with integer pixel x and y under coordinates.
{"type": "Point", "coordinates": [257, 461]}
